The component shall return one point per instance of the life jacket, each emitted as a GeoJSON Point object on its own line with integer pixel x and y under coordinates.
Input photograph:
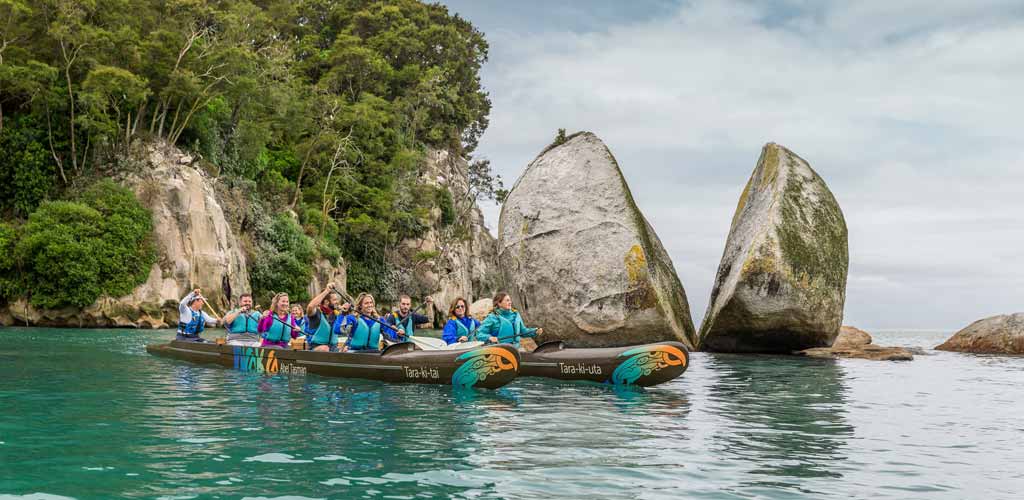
{"type": "Point", "coordinates": [323, 334]}
{"type": "Point", "coordinates": [509, 329]}
{"type": "Point", "coordinates": [365, 336]}
{"type": "Point", "coordinates": [194, 327]}
{"type": "Point", "coordinates": [464, 331]}
{"type": "Point", "coordinates": [245, 323]}
{"type": "Point", "coordinates": [279, 331]}
{"type": "Point", "coordinates": [408, 323]}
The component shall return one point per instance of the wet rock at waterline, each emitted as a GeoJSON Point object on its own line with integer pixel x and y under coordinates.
{"type": "Point", "coordinates": [580, 260]}
{"type": "Point", "coordinates": [862, 351]}
{"type": "Point", "coordinates": [781, 284]}
{"type": "Point", "coordinates": [1002, 334]}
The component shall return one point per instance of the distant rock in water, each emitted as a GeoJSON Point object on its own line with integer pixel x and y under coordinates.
{"type": "Point", "coordinates": [996, 335]}
{"type": "Point", "coordinates": [579, 258]}
{"type": "Point", "coordinates": [781, 284]}
{"type": "Point", "coordinates": [851, 337]}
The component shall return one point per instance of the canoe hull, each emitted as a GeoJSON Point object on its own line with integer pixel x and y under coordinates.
{"type": "Point", "coordinates": [643, 365]}
{"type": "Point", "coordinates": [485, 367]}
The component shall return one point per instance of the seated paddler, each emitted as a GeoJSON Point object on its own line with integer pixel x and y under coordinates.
{"type": "Point", "coordinates": [504, 325]}
{"type": "Point", "coordinates": [404, 319]}
{"type": "Point", "coordinates": [363, 327]}
{"type": "Point", "coordinates": [461, 327]}
{"type": "Point", "coordinates": [191, 318]}
{"type": "Point", "coordinates": [242, 323]}
{"type": "Point", "coordinates": [277, 324]}
{"type": "Point", "coordinates": [320, 333]}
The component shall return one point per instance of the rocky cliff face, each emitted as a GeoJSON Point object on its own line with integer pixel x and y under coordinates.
{"type": "Point", "coordinates": [781, 284]}
{"type": "Point", "coordinates": [195, 244]}
{"type": "Point", "coordinates": [579, 258]}
{"type": "Point", "coordinates": [454, 258]}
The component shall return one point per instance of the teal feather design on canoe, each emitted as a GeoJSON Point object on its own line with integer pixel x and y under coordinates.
{"type": "Point", "coordinates": [646, 360]}
{"type": "Point", "coordinates": [480, 363]}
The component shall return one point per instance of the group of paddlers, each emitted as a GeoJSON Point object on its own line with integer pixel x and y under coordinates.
{"type": "Point", "coordinates": [327, 319]}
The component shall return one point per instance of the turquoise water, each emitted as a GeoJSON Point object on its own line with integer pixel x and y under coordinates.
{"type": "Point", "coordinates": [88, 414]}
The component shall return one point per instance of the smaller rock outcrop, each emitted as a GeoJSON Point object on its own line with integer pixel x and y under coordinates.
{"type": "Point", "coordinates": [851, 337]}
{"type": "Point", "coordinates": [781, 284]}
{"type": "Point", "coordinates": [1002, 334]}
{"type": "Point", "coordinates": [866, 351]}
{"type": "Point", "coordinates": [856, 343]}
{"type": "Point", "coordinates": [579, 258]}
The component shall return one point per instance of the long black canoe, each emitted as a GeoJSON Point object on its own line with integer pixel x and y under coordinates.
{"type": "Point", "coordinates": [642, 365]}
{"type": "Point", "coordinates": [486, 367]}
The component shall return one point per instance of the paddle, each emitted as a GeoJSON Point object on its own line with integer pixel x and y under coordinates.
{"type": "Point", "coordinates": [353, 302]}
{"type": "Point", "coordinates": [207, 304]}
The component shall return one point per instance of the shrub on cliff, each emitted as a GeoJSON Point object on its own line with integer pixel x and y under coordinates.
{"type": "Point", "coordinates": [282, 260]}
{"type": "Point", "coordinates": [71, 252]}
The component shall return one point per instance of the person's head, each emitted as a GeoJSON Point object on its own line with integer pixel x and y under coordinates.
{"type": "Point", "coordinates": [197, 303]}
{"type": "Point", "coordinates": [459, 308]}
{"type": "Point", "coordinates": [245, 301]}
{"type": "Point", "coordinates": [297, 310]}
{"type": "Point", "coordinates": [503, 301]}
{"type": "Point", "coordinates": [334, 300]}
{"type": "Point", "coordinates": [366, 305]}
{"type": "Point", "coordinates": [404, 304]}
{"type": "Point", "coordinates": [280, 303]}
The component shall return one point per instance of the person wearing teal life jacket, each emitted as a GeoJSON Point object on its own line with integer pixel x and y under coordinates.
{"type": "Point", "coordinates": [319, 328]}
{"type": "Point", "coordinates": [191, 318]}
{"type": "Point", "coordinates": [363, 327]}
{"type": "Point", "coordinates": [460, 326]}
{"type": "Point", "coordinates": [277, 324]}
{"type": "Point", "coordinates": [242, 323]}
{"type": "Point", "coordinates": [404, 319]}
{"type": "Point", "coordinates": [504, 325]}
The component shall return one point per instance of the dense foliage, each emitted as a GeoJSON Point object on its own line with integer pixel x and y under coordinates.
{"type": "Point", "coordinates": [71, 252]}
{"type": "Point", "coordinates": [327, 105]}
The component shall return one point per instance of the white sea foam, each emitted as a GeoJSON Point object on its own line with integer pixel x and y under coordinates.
{"type": "Point", "coordinates": [34, 496]}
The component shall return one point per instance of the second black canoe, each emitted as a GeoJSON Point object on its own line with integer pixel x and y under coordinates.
{"type": "Point", "coordinates": [486, 367]}
{"type": "Point", "coordinates": [642, 365]}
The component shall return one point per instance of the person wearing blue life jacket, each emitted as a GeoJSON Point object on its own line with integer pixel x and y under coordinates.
{"type": "Point", "coordinates": [504, 325]}
{"type": "Point", "coordinates": [320, 332]}
{"type": "Point", "coordinates": [242, 323]}
{"type": "Point", "coordinates": [277, 324]}
{"type": "Point", "coordinates": [363, 327]}
{"type": "Point", "coordinates": [460, 326]}
{"type": "Point", "coordinates": [406, 320]}
{"type": "Point", "coordinates": [191, 318]}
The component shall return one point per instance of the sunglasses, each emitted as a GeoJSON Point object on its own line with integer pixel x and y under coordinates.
{"type": "Point", "coordinates": [460, 306]}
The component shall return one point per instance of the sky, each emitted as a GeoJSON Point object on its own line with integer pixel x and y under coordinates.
{"type": "Point", "coordinates": [910, 110]}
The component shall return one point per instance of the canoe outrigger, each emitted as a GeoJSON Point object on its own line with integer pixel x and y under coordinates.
{"type": "Point", "coordinates": [486, 367]}
{"type": "Point", "coordinates": [642, 365]}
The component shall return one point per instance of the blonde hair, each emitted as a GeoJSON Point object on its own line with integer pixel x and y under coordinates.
{"type": "Point", "coordinates": [276, 300]}
{"type": "Point", "coordinates": [358, 306]}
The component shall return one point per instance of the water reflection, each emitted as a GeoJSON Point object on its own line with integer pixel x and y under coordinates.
{"type": "Point", "coordinates": [785, 416]}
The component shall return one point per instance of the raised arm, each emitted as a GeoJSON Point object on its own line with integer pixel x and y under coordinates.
{"type": "Point", "coordinates": [314, 303]}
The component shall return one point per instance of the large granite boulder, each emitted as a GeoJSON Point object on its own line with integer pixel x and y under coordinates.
{"type": "Point", "coordinates": [580, 260]}
{"type": "Point", "coordinates": [781, 284]}
{"type": "Point", "coordinates": [996, 335]}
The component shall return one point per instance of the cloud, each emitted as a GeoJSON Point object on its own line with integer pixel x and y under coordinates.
{"type": "Point", "coordinates": [909, 110]}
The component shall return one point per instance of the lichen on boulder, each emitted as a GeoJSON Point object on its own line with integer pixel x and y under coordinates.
{"type": "Point", "coordinates": [1003, 334]}
{"type": "Point", "coordinates": [579, 258]}
{"type": "Point", "coordinates": [781, 284]}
